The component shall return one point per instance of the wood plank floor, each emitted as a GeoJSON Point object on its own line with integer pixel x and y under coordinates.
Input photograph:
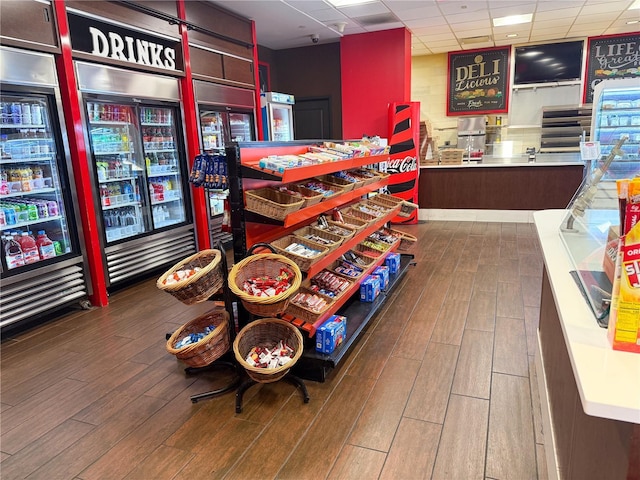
{"type": "Point", "coordinates": [441, 385]}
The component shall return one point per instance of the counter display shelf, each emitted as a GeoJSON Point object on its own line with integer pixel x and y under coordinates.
{"type": "Point", "coordinates": [590, 393]}
{"type": "Point", "coordinates": [252, 228]}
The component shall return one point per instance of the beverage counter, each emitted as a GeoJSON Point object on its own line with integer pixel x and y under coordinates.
{"type": "Point", "coordinates": [589, 393]}
{"type": "Point", "coordinates": [502, 183]}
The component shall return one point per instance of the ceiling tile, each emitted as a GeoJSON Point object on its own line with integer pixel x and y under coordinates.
{"type": "Point", "coordinates": [476, 46]}
{"type": "Point", "coordinates": [471, 33]}
{"type": "Point", "coordinates": [604, 8]}
{"type": "Point", "coordinates": [383, 26]}
{"type": "Point", "coordinates": [615, 29]}
{"type": "Point", "coordinates": [559, 23]}
{"type": "Point", "coordinates": [468, 17]}
{"type": "Point", "coordinates": [555, 14]}
{"type": "Point", "coordinates": [604, 18]}
{"type": "Point", "coordinates": [455, 7]}
{"type": "Point", "coordinates": [308, 5]}
{"type": "Point", "coordinates": [558, 5]}
{"type": "Point", "coordinates": [506, 11]}
{"type": "Point", "coordinates": [364, 9]}
{"type": "Point", "coordinates": [437, 30]}
{"type": "Point", "coordinates": [472, 25]}
{"type": "Point", "coordinates": [425, 22]}
{"type": "Point", "coordinates": [438, 38]}
{"type": "Point", "coordinates": [409, 5]}
{"type": "Point", "coordinates": [447, 43]}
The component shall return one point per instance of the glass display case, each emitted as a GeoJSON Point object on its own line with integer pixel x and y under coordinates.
{"type": "Point", "coordinates": [590, 229]}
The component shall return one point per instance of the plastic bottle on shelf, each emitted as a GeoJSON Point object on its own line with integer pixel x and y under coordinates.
{"type": "Point", "coordinates": [25, 179]}
{"type": "Point", "coordinates": [52, 207]}
{"type": "Point", "coordinates": [30, 252]}
{"type": "Point", "coordinates": [3, 219]}
{"type": "Point", "coordinates": [36, 114]}
{"type": "Point", "coordinates": [10, 214]}
{"type": "Point", "coordinates": [26, 114]}
{"type": "Point", "coordinates": [45, 246]}
{"type": "Point", "coordinates": [13, 251]}
{"type": "Point", "coordinates": [34, 211]}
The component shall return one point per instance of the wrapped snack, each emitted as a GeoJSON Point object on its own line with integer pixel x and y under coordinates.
{"type": "Point", "coordinates": [270, 356]}
{"type": "Point", "coordinates": [180, 275]}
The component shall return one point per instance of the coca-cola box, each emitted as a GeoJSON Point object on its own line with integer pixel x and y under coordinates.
{"type": "Point", "coordinates": [404, 129]}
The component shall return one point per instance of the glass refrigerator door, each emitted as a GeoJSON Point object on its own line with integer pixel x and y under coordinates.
{"type": "Point", "coordinates": [119, 169]}
{"type": "Point", "coordinates": [281, 122]}
{"type": "Point", "coordinates": [212, 127]}
{"type": "Point", "coordinates": [33, 216]}
{"type": "Point", "coordinates": [617, 114]}
{"type": "Point", "coordinates": [241, 126]}
{"type": "Point", "coordinates": [165, 179]}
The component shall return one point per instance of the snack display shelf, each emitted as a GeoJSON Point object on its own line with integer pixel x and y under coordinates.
{"type": "Point", "coordinates": [314, 365]}
{"type": "Point", "coordinates": [252, 156]}
{"type": "Point", "coordinates": [303, 214]}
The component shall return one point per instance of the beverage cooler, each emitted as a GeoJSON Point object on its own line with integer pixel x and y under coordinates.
{"type": "Point", "coordinates": [277, 116]}
{"type": "Point", "coordinates": [43, 266]}
{"type": "Point", "coordinates": [226, 114]}
{"type": "Point", "coordinates": [140, 172]}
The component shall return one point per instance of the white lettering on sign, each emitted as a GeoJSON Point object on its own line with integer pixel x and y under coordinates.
{"type": "Point", "coordinates": [129, 49]}
{"type": "Point", "coordinates": [402, 165]}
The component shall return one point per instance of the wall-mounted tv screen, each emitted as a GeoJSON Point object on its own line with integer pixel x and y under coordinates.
{"type": "Point", "coordinates": [550, 62]}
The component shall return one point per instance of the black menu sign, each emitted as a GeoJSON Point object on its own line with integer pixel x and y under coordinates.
{"type": "Point", "coordinates": [478, 81]}
{"type": "Point", "coordinates": [616, 56]}
{"type": "Point", "coordinates": [113, 43]}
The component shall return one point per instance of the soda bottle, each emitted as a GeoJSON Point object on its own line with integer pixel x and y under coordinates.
{"type": "Point", "coordinates": [16, 113]}
{"type": "Point", "coordinates": [30, 252]}
{"type": "Point", "coordinates": [26, 114]}
{"type": "Point", "coordinates": [10, 215]}
{"type": "Point", "coordinates": [52, 207]}
{"type": "Point", "coordinates": [34, 211]}
{"type": "Point", "coordinates": [45, 246]}
{"type": "Point", "coordinates": [36, 114]}
{"type": "Point", "coordinates": [13, 251]}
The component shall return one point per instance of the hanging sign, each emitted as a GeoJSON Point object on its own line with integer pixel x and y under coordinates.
{"type": "Point", "coordinates": [615, 56]}
{"type": "Point", "coordinates": [115, 43]}
{"type": "Point", "coordinates": [478, 81]}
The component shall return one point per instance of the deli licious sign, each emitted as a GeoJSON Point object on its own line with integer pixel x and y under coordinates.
{"type": "Point", "coordinates": [478, 81]}
{"type": "Point", "coordinates": [115, 43]}
{"type": "Point", "coordinates": [608, 57]}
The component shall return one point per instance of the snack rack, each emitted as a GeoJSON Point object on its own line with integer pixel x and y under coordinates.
{"type": "Point", "coordinates": [250, 228]}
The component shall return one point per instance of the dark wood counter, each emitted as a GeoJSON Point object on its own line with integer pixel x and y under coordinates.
{"type": "Point", "coordinates": [498, 186]}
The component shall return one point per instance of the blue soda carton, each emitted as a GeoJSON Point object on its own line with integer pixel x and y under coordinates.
{"type": "Point", "coordinates": [369, 288]}
{"type": "Point", "coordinates": [393, 262]}
{"type": "Point", "coordinates": [383, 272]}
{"type": "Point", "coordinates": [331, 334]}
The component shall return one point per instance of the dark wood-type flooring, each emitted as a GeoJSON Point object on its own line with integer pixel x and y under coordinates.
{"type": "Point", "coordinates": [441, 385]}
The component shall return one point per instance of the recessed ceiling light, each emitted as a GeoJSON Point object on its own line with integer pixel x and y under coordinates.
{"type": "Point", "coordinates": [633, 22]}
{"type": "Point", "coordinates": [511, 35]}
{"type": "Point", "coordinates": [513, 20]}
{"type": "Point", "coordinates": [635, 5]}
{"type": "Point", "coordinates": [348, 3]}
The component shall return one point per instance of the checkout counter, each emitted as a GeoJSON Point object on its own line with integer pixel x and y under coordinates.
{"type": "Point", "coordinates": [498, 182]}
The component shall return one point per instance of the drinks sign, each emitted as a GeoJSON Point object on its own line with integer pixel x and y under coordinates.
{"type": "Point", "coordinates": [478, 81]}
{"type": "Point", "coordinates": [117, 44]}
{"type": "Point", "coordinates": [616, 56]}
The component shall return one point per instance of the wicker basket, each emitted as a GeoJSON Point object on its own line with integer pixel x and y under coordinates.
{"type": "Point", "coordinates": [353, 222]}
{"type": "Point", "coordinates": [352, 212]}
{"type": "Point", "coordinates": [306, 314]}
{"type": "Point", "coordinates": [367, 262]}
{"type": "Point", "coordinates": [406, 240]}
{"type": "Point", "coordinates": [388, 201]}
{"type": "Point", "coordinates": [200, 286]}
{"type": "Point", "coordinates": [407, 209]}
{"type": "Point", "coordinates": [271, 203]}
{"type": "Point", "coordinates": [360, 249]}
{"type": "Point", "coordinates": [333, 240]}
{"type": "Point", "coordinates": [263, 264]}
{"type": "Point", "coordinates": [451, 156]}
{"type": "Point", "coordinates": [304, 263]}
{"type": "Point", "coordinates": [310, 197]}
{"type": "Point", "coordinates": [325, 186]}
{"type": "Point", "coordinates": [337, 182]}
{"type": "Point", "coordinates": [352, 230]}
{"type": "Point", "coordinates": [267, 332]}
{"type": "Point", "coordinates": [377, 207]}
{"type": "Point", "coordinates": [211, 347]}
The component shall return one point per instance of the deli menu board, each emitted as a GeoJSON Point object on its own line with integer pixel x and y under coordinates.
{"type": "Point", "coordinates": [478, 81]}
{"type": "Point", "coordinates": [616, 56]}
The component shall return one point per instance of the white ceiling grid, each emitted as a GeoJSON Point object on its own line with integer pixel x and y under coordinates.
{"type": "Point", "coordinates": [436, 26]}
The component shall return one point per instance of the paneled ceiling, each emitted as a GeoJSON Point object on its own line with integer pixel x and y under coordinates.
{"type": "Point", "coordinates": [436, 26]}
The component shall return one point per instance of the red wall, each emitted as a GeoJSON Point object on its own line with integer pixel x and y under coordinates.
{"type": "Point", "coordinates": [375, 71]}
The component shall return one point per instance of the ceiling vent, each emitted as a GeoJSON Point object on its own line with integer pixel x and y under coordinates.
{"type": "Point", "coordinates": [380, 19]}
{"type": "Point", "coordinates": [472, 40]}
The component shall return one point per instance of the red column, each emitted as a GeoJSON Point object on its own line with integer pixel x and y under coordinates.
{"type": "Point", "coordinates": [79, 159]}
{"type": "Point", "coordinates": [201, 217]}
{"type": "Point", "coordinates": [375, 71]}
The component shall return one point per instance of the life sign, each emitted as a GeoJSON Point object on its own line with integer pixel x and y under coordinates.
{"type": "Point", "coordinates": [115, 43]}
{"type": "Point", "coordinates": [478, 81]}
{"type": "Point", "coordinates": [616, 56]}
